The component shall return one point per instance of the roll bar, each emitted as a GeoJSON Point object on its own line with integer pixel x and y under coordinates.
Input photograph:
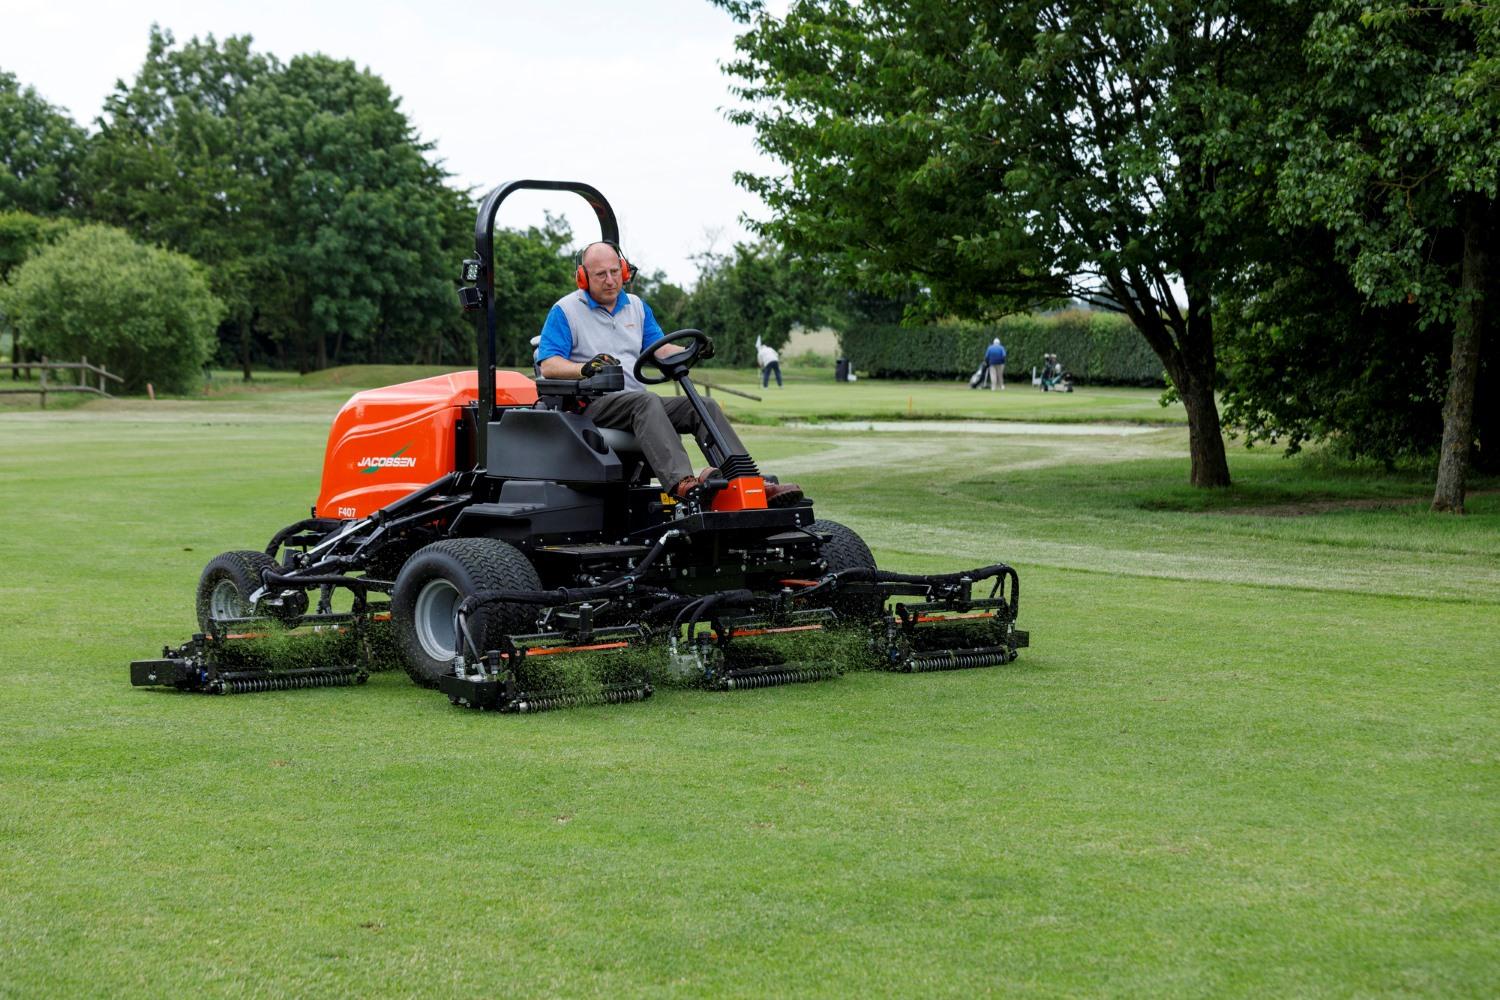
{"type": "Point", "coordinates": [478, 295]}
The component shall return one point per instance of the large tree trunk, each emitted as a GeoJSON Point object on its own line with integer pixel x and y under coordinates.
{"type": "Point", "coordinates": [1463, 371]}
{"type": "Point", "coordinates": [1201, 366]}
{"type": "Point", "coordinates": [1192, 365]}
{"type": "Point", "coordinates": [1210, 465]}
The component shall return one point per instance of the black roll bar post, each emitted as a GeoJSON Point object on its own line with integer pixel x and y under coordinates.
{"type": "Point", "coordinates": [484, 247]}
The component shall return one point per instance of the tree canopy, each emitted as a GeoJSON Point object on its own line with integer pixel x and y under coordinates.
{"type": "Point", "coordinates": [1394, 145]}
{"type": "Point", "coordinates": [41, 150]}
{"type": "Point", "coordinates": [1293, 203]}
{"type": "Point", "coordinates": [1005, 154]}
{"type": "Point", "coordinates": [303, 185]}
{"type": "Point", "coordinates": [756, 291]}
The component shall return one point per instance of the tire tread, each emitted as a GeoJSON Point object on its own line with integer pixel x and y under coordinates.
{"type": "Point", "coordinates": [492, 565]}
{"type": "Point", "coordinates": [846, 550]}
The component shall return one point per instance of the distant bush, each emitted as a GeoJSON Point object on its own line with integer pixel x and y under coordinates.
{"type": "Point", "coordinates": [810, 359]}
{"type": "Point", "coordinates": [146, 313]}
{"type": "Point", "coordinates": [1097, 347]}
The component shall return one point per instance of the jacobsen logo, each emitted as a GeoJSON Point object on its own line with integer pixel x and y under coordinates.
{"type": "Point", "coordinates": [369, 465]}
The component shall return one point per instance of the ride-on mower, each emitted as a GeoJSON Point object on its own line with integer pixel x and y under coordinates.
{"type": "Point", "coordinates": [482, 523]}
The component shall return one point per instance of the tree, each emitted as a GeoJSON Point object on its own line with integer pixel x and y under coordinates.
{"type": "Point", "coordinates": [1004, 154]}
{"type": "Point", "coordinates": [755, 292]}
{"type": "Point", "coordinates": [40, 152]}
{"type": "Point", "coordinates": [170, 164]}
{"type": "Point", "coordinates": [532, 270]}
{"type": "Point", "coordinates": [146, 313]}
{"type": "Point", "coordinates": [1395, 146]}
{"type": "Point", "coordinates": [668, 301]}
{"type": "Point", "coordinates": [358, 208]}
{"type": "Point", "coordinates": [1307, 358]}
{"type": "Point", "coordinates": [304, 185]}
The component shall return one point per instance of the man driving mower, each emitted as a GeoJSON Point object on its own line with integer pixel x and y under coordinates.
{"type": "Point", "coordinates": [600, 324]}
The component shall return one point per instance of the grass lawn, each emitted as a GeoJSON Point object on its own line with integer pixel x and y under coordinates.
{"type": "Point", "coordinates": [1247, 754]}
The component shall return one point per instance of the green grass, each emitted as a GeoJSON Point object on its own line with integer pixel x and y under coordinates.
{"type": "Point", "coordinates": [812, 394]}
{"type": "Point", "coordinates": [1246, 755]}
{"type": "Point", "coordinates": [809, 394]}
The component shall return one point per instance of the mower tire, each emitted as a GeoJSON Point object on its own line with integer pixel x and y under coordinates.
{"type": "Point", "coordinates": [846, 550]}
{"type": "Point", "coordinates": [227, 582]}
{"type": "Point", "coordinates": [434, 581]}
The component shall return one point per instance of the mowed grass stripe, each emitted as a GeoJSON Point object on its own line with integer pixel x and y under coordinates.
{"type": "Point", "coordinates": [1184, 787]}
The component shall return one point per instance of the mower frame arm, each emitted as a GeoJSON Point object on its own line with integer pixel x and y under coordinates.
{"type": "Point", "coordinates": [487, 322]}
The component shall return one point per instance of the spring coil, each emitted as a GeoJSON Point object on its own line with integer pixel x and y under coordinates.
{"type": "Point", "coordinates": [546, 701]}
{"type": "Point", "coordinates": [736, 680]}
{"type": "Point", "coordinates": [290, 682]}
{"type": "Point", "coordinates": [955, 659]}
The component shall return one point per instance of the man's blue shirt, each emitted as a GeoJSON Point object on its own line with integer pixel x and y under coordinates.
{"type": "Point", "coordinates": [557, 335]}
{"type": "Point", "coordinates": [994, 356]}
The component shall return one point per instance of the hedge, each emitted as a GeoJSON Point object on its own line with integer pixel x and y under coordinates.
{"type": "Point", "coordinates": [1097, 347]}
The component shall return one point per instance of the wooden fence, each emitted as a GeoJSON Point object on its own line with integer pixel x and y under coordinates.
{"type": "Point", "coordinates": [85, 373]}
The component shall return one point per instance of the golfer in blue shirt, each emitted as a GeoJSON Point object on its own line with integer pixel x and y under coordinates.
{"type": "Point", "coordinates": [995, 358]}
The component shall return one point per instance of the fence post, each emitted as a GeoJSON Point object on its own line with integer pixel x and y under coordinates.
{"type": "Point", "coordinates": [44, 381]}
{"type": "Point", "coordinates": [103, 370]}
{"type": "Point", "coordinates": [83, 373]}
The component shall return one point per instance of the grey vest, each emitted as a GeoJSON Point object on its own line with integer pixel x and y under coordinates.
{"type": "Point", "coordinates": [595, 331]}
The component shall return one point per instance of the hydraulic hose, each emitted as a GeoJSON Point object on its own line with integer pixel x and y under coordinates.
{"type": "Point", "coordinates": [703, 607]}
{"type": "Point", "coordinates": [274, 545]}
{"type": "Point", "coordinates": [863, 574]}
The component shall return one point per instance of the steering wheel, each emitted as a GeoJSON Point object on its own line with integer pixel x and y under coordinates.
{"type": "Point", "coordinates": [700, 348]}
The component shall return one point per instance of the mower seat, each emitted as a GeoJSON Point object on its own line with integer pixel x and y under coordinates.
{"type": "Point", "coordinates": [628, 447]}
{"type": "Point", "coordinates": [620, 440]}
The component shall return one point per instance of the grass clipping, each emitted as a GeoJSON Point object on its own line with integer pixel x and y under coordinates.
{"type": "Point", "coordinates": [276, 649]}
{"type": "Point", "coordinates": [649, 662]}
{"type": "Point", "coordinates": [845, 648]}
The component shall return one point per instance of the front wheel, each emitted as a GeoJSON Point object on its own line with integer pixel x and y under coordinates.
{"type": "Point", "coordinates": [227, 582]}
{"type": "Point", "coordinates": [436, 580]}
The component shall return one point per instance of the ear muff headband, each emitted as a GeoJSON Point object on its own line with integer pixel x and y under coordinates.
{"type": "Point", "coordinates": [582, 277]}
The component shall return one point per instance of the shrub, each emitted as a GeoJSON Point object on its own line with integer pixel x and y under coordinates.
{"type": "Point", "coordinates": [144, 312]}
{"type": "Point", "coordinates": [1097, 347]}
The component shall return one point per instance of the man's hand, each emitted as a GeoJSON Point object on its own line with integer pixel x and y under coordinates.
{"type": "Point", "coordinates": [592, 366]}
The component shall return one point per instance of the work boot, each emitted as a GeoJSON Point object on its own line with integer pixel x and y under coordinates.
{"type": "Point", "coordinates": [690, 483]}
{"type": "Point", "coordinates": [782, 494]}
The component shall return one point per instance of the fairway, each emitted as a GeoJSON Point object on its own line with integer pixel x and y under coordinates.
{"type": "Point", "coordinates": [1246, 754]}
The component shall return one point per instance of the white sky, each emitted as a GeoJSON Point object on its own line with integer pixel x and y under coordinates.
{"type": "Point", "coordinates": [627, 97]}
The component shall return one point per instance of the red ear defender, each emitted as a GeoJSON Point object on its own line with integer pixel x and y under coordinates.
{"type": "Point", "coordinates": [582, 278]}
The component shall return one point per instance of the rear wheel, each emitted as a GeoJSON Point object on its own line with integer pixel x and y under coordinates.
{"type": "Point", "coordinates": [846, 550]}
{"type": "Point", "coordinates": [227, 582]}
{"type": "Point", "coordinates": [433, 583]}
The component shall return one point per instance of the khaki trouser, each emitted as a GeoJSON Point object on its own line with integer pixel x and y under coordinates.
{"type": "Point", "coordinates": [997, 376]}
